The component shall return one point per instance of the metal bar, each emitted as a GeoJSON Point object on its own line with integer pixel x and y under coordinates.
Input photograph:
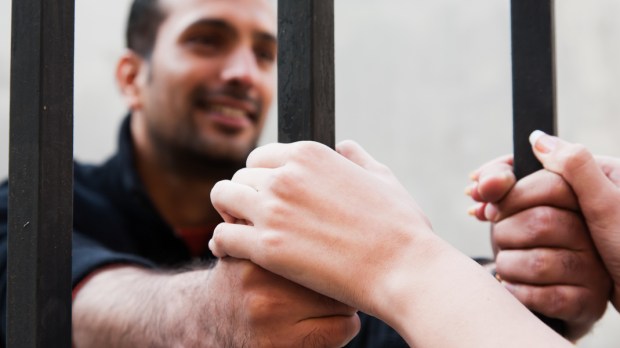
{"type": "Point", "coordinates": [533, 77]}
{"type": "Point", "coordinates": [40, 174]}
{"type": "Point", "coordinates": [306, 87]}
{"type": "Point", "coordinates": [533, 87]}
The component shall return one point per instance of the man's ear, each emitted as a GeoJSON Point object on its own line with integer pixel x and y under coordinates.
{"type": "Point", "coordinates": [131, 78]}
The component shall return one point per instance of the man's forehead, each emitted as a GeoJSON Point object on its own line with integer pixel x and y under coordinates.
{"type": "Point", "coordinates": [259, 14]}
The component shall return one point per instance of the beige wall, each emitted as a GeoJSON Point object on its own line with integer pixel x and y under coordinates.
{"type": "Point", "coordinates": [423, 85]}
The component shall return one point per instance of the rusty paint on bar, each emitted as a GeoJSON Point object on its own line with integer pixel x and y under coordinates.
{"type": "Point", "coordinates": [306, 107]}
{"type": "Point", "coordinates": [40, 174]}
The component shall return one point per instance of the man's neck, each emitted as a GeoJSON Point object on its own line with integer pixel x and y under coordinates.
{"type": "Point", "coordinates": [182, 202]}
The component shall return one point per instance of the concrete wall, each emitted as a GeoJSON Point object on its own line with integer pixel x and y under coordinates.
{"type": "Point", "coordinates": [424, 86]}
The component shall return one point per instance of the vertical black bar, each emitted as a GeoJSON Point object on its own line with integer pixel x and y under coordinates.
{"type": "Point", "coordinates": [533, 77]}
{"type": "Point", "coordinates": [533, 87]}
{"type": "Point", "coordinates": [40, 174]}
{"type": "Point", "coordinates": [306, 92]}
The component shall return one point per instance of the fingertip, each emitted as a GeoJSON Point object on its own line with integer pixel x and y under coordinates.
{"type": "Point", "coordinates": [346, 146]}
{"type": "Point", "coordinates": [491, 213]}
{"type": "Point", "coordinates": [213, 243]}
{"type": "Point", "coordinates": [542, 143]}
{"type": "Point", "coordinates": [535, 135]}
{"type": "Point", "coordinates": [473, 176]}
{"type": "Point", "coordinates": [495, 186]}
{"type": "Point", "coordinates": [477, 211]}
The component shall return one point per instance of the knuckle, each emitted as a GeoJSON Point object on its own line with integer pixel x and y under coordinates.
{"type": "Point", "coordinates": [334, 332]}
{"type": "Point", "coordinates": [315, 339]}
{"type": "Point", "coordinates": [273, 212]}
{"type": "Point", "coordinates": [383, 169]}
{"type": "Point", "coordinates": [216, 191]}
{"type": "Point", "coordinates": [270, 242]}
{"type": "Point", "coordinates": [526, 296]}
{"type": "Point", "coordinates": [238, 173]}
{"type": "Point", "coordinates": [540, 222]}
{"type": "Point", "coordinates": [539, 264]}
{"type": "Point", "coordinates": [574, 157]}
{"type": "Point", "coordinates": [541, 218]}
{"type": "Point", "coordinates": [259, 307]}
{"type": "Point", "coordinates": [305, 150]}
{"type": "Point", "coordinates": [286, 182]}
{"type": "Point", "coordinates": [555, 185]}
{"type": "Point", "coordinates": [570, 263]}
{"type": "Point", "coordinates": [557, 302]}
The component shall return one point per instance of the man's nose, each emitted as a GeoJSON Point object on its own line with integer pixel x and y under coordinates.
{"type": "Point", "coordinates": [241, 67]}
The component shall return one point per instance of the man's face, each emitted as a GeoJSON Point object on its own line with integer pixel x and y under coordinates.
{"type": "Point", "coordinates": [210, 78]}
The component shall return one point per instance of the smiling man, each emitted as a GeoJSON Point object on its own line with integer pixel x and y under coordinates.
{"type": "Point", "coordinates": [198, 77]}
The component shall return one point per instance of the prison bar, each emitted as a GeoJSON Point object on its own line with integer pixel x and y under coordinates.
{"type": "Point", "coordinates": [40, 174]}
{"type": "Point", "coordinates": [533, 87]}
{"type": "Point", "coordinates": [306, 95]}
{"type": "Point", "coordinates": [40, 171]}
{"type": "Point", "coordinates": [533, 77]}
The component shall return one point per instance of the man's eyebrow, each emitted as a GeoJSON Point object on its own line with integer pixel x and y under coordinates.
{"type": "Point", "coordinates": [224, 25]}
{"type": "Point", "coordinates": [212, 22]}
{"type": "Point", "coordinates": [264, 36]}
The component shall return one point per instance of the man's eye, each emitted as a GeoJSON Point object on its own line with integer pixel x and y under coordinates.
{"type": "Point", "coordinates": [206, 40]}
{"type": "Point", "coordinates": [265, 55]}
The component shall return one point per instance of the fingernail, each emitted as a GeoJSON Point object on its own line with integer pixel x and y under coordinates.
{"type": "Point", "coordinates": [473, 176]}
{"type": "Point", "coordinates": [490, 212]}
{"type": "Point", "coordinates": [542, 142]}
{"type": "Point", "coordinates": [469, 189]}
{"type": "Point", "coordinates": [510, 287]}
{"type": "Point", "coordinates": [507, 174]}
{"type": "Point", "coordinates": [472, 210]}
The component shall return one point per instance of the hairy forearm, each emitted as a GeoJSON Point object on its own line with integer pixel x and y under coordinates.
{"type": "Point", "coordinates": [133, 307]}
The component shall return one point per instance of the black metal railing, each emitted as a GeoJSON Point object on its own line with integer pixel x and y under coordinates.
{"type": "Point", "coordinates": [40, 174]}
{"type": "Point", "coordinates": [306, 94]}
{"type": "Point", "coordinates": [40, 160]}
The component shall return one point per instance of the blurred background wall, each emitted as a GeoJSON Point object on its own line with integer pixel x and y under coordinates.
{"type": "Point", "coordinates": [424, 86]}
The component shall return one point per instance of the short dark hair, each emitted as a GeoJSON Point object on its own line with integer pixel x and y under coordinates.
{"type": "Point", "coordinates": [145, 16]}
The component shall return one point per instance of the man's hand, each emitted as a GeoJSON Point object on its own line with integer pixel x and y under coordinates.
{"type": "Point", "coordinates": [544, 252]}
{"type": "Point", "coordinates": [234, 304]}
{"type": "Point", "coordinates": [257, 308]}
{"type": "Point", "coordinates": [596, 182]}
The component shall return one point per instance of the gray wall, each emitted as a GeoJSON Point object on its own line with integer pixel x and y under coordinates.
{"type": "Point", "coordinates": [424, 86]}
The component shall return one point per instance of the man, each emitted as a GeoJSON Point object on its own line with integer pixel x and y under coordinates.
{"type": "Point", "coordinates": [198, 78]}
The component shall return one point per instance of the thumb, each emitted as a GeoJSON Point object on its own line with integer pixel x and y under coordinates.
{"type": "Point", "coordinates": [578, 167]}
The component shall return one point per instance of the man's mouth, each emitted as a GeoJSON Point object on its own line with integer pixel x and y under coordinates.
{"type": "Point", "coordinates": [228, 118]}
{"type": "Point", "coordinates": [228, 111]}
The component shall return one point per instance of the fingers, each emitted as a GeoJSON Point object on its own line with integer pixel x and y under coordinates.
{"type": "Point", "coordinates": [332, 331]}
{"type": "Point", "coordinates": [542, 227]}
{"type": "Point", "coordinates": [272, 155]}
{"type": "Point", "coordinates": [557, 301]}
{"type": "Point", "coordinates": [276, 154]}
{"type": "Point", "coordinates": [236, 240]}
{"type": "Point", "coordinates": [255, 178]}
{"type": "Point", "coordinates": [493, 182]}
{"type": "Point", "coordinates": [541, 266]}
{"type": "Point", "coordinates": [234, 201]}
{"type": "Point", "coordinates": [542, 188]}
{"type": "Point", "coordinates": [506, 159]}
{"type": "Point", "coordinates": [356, 154]}
{"type": "Point", "coordinates": [577, 166]}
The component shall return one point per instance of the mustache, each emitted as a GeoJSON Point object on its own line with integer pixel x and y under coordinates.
{"type": "Point", "coordinates": [203, 95]}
